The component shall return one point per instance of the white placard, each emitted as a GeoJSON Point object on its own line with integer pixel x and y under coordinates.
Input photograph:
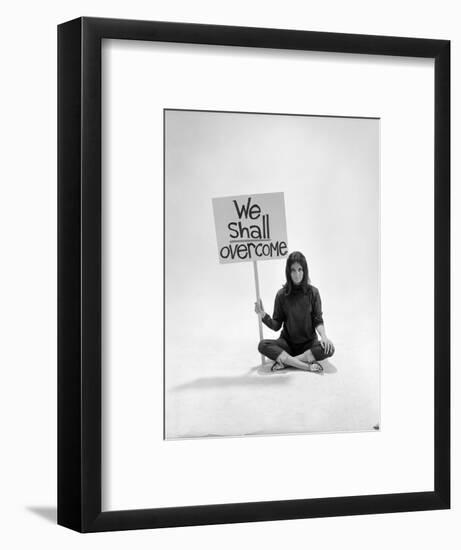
{"type": "Point", "coordinates": [250, 227]}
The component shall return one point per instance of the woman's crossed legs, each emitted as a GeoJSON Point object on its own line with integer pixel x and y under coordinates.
{"type": "Point", "coordinates": [301, 357]}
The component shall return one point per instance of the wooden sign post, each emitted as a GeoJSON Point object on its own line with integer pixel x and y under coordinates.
{"type": "Point", "coordinates": [251, 228]}
{"type": "Point", "coordinates": [258, 300]}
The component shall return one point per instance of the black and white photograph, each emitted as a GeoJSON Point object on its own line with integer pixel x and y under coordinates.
{"type": "Point", "coordinates": [272, 274]}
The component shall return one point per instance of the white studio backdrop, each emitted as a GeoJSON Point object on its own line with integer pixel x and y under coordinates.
{"type": "Point", "coordinates": [139, 81]}
{"type": "Point", "coordinates": [328, 170]}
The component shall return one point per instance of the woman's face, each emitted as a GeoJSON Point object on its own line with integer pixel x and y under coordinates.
{"type": "Point", "coordinates": [296, 273]}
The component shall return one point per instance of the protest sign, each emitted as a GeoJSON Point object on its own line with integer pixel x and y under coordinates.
{"type": "Point", "coordinates": [251, 228]}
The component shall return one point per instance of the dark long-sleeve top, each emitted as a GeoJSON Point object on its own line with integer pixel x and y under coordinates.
{"type": "Point", "coordinates": [299, 313]}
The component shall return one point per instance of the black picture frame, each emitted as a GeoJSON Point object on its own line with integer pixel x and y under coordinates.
{"type": "Point", "coordinates": [79, 274]}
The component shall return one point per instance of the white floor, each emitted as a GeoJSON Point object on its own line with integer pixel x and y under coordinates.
{"type": "Point", "coordinates": [236, 396]}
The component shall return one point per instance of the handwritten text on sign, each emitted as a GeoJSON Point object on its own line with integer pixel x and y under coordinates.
{"type": "Point", "coordinates": [250, 227]}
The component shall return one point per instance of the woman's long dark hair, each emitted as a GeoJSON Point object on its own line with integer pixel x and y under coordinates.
{"type": "Point", "coordinates": [305, 283]}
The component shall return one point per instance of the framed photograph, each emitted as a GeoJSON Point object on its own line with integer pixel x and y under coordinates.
{"type": "Point", "coordinates": [322, 174]}
{"type": "Point", "coordinates": [254, 274]}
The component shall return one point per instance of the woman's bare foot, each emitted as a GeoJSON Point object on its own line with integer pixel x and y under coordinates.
{"type": "Point", "coordinates": [306, 357]}
{"type": "Point", "coordinates": [311, 367]}
{"type": "Point", "coordinates": [277, 365]}
{"type": "Point", "coordinates": [290, 361]}
{"type": "Point", "coordinates": [315, 367]}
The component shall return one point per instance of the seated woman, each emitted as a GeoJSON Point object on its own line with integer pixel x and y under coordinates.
{"type": "Point", "coordinates": [299, 309]}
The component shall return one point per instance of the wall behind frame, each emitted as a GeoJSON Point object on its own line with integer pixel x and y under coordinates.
{"type": "Point", "coordinates": [28, 277]}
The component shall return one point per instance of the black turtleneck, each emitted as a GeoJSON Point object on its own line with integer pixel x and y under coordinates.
{"type": "Point", "coordinates": [299, 312]}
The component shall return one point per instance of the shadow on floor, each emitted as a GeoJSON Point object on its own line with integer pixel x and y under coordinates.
{"type": "Point", "coordinates": [46, 512]}
{"type": "Point", "coordinates": [266, 376]}
{"type": "Point", "coordinates": [243, 380]}
{"type": "Point", "coordinates": [328, 368]}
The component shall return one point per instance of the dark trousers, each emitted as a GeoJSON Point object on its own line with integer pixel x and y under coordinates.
{"type": "Point", "coordinates": [273, 348]}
